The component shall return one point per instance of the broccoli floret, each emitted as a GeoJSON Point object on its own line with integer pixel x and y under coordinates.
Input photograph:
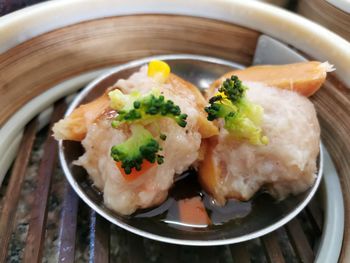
{"type": "Point", "coordinates": [162, 136]}
{"type": "Point", "coordinates": [136, 108]}
{"type": "Point", "coordinates": [139, 147]}
{"type": "Point", "coordinates": [242, 117]}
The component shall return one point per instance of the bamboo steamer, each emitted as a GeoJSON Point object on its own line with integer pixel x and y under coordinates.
{"type": "Point", "coordinates": [334, 15]}
{"type": "Point", "coordinates": [37, 52]}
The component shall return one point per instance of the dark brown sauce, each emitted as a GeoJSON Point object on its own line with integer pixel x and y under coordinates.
{"type": "Point", "coordinates": [187, 186]}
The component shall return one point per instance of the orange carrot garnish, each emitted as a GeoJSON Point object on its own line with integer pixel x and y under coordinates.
{"type": "Point", "coordinates": [146, 165]}
{"type": "Point", "coordinates": [192, 211]}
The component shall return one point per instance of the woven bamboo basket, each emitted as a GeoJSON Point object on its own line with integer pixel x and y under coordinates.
{"type": "Point", "coordinates": [328, 14]}
{"type": "Point", "coordinates": [39, 52]}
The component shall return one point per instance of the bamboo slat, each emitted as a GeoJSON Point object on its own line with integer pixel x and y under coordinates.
{"type": "Point", "coordinates": [36, 231]}
{"type": "Point", "coordinates": [239, 252]}
{"type": "Point", "coordinates": [299, 241]}
{"type": "Point", "coordinates": [68, 226]}
{"type": "Point", "coordinates": [315, 215]}
{"type": "Point", "coordinates": [272, 248]}
{"type": "Point", "coordinates": [12, 195]}
{"type": "Point", "coordinates": [99, 238]}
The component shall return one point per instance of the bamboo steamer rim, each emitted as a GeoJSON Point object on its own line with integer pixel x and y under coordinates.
{"type": "Point", "coordinates": [290, 28]}
{"type": "Point", "coordinates": [341, 4]}
{"type": "Point", "coordinates": [26, 24]}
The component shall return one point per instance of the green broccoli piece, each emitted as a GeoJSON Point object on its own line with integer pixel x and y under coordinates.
{"type": "Point", "coordinates": [139, 147]}
{"type": "Point", "coordinates": [136, 108]}
{"type": "Point", "coordinates": [242, 117]}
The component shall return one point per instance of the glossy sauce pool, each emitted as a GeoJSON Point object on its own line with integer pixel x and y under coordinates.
{"type": "Point", "coordinates": [185, 187]}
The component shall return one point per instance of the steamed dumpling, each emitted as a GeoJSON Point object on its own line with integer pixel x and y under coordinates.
{"type": "Point", "coordinates": [286, 165]}
{"type": "Point", "coordinates": [180, 149]}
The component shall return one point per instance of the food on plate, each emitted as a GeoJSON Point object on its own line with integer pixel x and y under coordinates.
{"type": "Point", "coordinates": [192, 212]}
{"type": "Point", "coordinates": [256, 130]}
{"type": "Point", "coordinates": [269, 135]}
{"type": "Point", "coordinates": [74, 126]}
{"type": "Point", "coordinates": [305, 77]}
{"type": "Point", "coordinates": [138, 135]}
{"type": "Point", "coordinates": [241, 117]}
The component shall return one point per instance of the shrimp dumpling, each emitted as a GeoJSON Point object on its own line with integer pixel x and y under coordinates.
{"type": "Point", "coordinates": [153, 115]}
{"type": "Point", "coordinates": [121, 194]}
{"type": "Point", "coordinates": [283, 160]}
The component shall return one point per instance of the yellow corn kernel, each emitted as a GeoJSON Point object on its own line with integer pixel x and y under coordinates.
{"type": "Point", "coordinates": [159, 70]}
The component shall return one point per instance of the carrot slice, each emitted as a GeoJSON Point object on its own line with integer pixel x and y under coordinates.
{"type": "Point", "coordinates": [305, 78]}
{"type": "Point", "coordinates": [192, 211]}
{"type": "Point", "coordinates": [146, 165]}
